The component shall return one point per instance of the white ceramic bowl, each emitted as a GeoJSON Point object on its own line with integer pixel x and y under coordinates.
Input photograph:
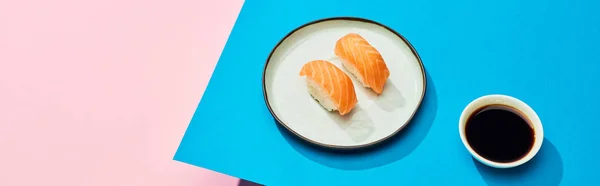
{"type": "Point", "coordinates": [497, 99]}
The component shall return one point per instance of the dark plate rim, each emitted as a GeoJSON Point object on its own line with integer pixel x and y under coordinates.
{"type": "Point", "coordinates": [337, 147]}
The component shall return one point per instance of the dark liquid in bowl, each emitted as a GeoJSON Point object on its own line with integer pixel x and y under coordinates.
{"type": "Point", "coordinates": [499, 133]}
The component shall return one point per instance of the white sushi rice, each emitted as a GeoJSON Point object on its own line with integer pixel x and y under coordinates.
{"type": "Point", "coordinates": [352, 69]}
{"type": "Point", "coordinates": [318, 92]}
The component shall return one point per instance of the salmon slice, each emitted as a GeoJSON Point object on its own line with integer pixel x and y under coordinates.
{"type": "Point", "coordinates": [330, 86]}
{"type": "Point", "coordinates": [363, 61]}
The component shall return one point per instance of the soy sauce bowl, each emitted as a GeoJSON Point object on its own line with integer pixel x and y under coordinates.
{"type": "Point", "coordinates": [496, 99]}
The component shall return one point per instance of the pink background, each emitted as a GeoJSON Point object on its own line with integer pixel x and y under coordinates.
{"type": "Point", "coordinates": [100, 92]}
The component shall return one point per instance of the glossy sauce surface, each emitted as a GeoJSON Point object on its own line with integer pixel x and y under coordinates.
{"type": "Point", "coordinates": [499, 133]}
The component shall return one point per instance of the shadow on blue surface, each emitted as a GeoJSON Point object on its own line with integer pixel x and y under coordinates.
{"type": "Point", "coordinates": [546, 168]}
{"type": "Point", "coordinates": [247, 183]}
{"type": "Point", "coordinates": [391, 150]}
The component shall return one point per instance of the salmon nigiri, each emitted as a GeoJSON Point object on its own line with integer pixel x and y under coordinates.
{"type": "Point", "coordinates": [363, 61]}
{"type": "Point", "coordinates": [330, 86]}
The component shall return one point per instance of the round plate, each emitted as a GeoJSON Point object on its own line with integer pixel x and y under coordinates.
{"type": "Point", "coordinates": [375, 118]}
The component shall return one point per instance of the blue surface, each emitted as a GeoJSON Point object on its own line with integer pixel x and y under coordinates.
{"type": "Point", "coordinates": [546, 53]}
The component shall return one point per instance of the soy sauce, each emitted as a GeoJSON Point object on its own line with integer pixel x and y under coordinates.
{"type": "Point", "coordinates": [499, 133]}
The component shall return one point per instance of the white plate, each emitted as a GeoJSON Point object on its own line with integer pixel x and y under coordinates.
{"type": "Point", "coordinates": [375, 118]}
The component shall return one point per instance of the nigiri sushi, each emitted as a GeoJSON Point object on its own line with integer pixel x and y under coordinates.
{"type": "Point", "coordinates": [330, 86]}
{"type": "Point", "coordinates": [363, 61]}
